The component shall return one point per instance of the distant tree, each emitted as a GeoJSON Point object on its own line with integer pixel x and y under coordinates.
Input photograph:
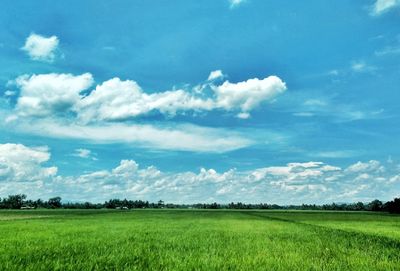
{"type": "Point", "coordinates": [160, 204]}
{"type": "Point", "coordinates": [38, 203]}
{"type": "Point", "coordinates": [54, 202]}
{"type": "Point", "coordinates": [393, 206]}
{"type": "Point", "coordinates": [113, 203]}
{"type": "Point", "coordinates": [19, 200]}
{"type": "Point", "coordinates": [375, 205]}
{"type": "Point", "coordinates": [359, 206]}
{"type": "Point", "coordinates": [214, 206]}
{"type": "Point", "coordinates": [14, 201]}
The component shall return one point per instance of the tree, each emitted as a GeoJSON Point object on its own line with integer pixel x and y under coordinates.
{"type": "Point", "coordinates": [160, 204]}
{"type": "Point", "coordinates": [55, 202]}
{"type": "Point", "coordinates": [375, 205]}
{"type": "Point", "coordinates": [393, 206]}
{"type": "Point", "coordinates": [14, 201]}
{"type": "Point", "coordinates": [359, 206]}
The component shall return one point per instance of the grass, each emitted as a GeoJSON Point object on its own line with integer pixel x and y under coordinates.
{"type": "Point", "coordinates": [198, 240]}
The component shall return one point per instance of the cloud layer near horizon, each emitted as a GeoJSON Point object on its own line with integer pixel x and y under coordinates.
{"type": "Point", "coordinates": [310, 182]}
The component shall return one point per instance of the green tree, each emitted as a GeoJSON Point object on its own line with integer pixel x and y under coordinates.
{"type": "Point", "coordinates": [55, 202]}
{"type": "Point", "coordinates": [14, 201]}
{"type": "Point", "coordinates": [375, 205]}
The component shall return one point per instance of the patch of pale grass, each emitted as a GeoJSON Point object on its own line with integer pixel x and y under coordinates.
{"type": "Point", "coordinates": [16, 217]}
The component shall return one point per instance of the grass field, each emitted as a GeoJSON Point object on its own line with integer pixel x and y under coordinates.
{"type": "Point", "coordinates": [198, 240]}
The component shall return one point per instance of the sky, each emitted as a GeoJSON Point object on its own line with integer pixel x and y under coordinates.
{"type": "Point", "coordinates": [188, 101]}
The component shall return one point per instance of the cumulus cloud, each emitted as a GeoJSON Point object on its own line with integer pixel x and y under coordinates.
{"type": "Point", "coordinates": [118, 100]}
{"type": "Point", "coordinates": [249, 94]}
{"type": "Point", "coordinates": [309, 182]}
{"type": "Point", "coordinates": [63, 106]}
{"type": "Point", "coordinates": [369, 166]}
{"type": "Point", "coordinates": [300, 182]}
{"type": "Point", "coordinates": [215, 75]}
{"type": "Point", "coordinates": [19, 163]}
{"type": "Point", "coordinates": [115, 99]}
{"type": "Point", "coordinates": [40, 47]}
{"type": "Point", "coordinates": [383, 6]}
{"type": "Point", "coordinates": [49, 94]}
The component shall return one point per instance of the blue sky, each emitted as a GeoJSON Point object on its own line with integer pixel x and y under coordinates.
{"type": "Point", "coordinates": [200, 101]}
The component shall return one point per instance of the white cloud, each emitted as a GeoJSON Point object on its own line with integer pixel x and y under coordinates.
{"type": "Point", "coordinates": [315, 103]}
{"type": "Point", "coordinates": [19, 163]}
{"type": "Point", "coordinates": [383, 6]}
{"type": "Point", "coordinates": [49, 94]}
{"type": "Point", "coordinates": [126, 168]}
{"type": "Point", "coordinates": [84, 153]}
{"type": "Point", "coordinates": [60, 105]}
{"type": "Point", "coordinates": [235, 3]}
{"type": "Point", "coordinates": [369, 166]}
{"type": "Point", "coordinates": [215, 75]}
{"type": "Point", "coordinates": [41, 48]}
{"type": "Point", "coordinates": [115, 100]}
{"type": "Point", "coordinates": [334, 154]}
{"type": "Point", "coordinates": [292, 171]}
{"type": "Point", "coordinates": [294, 183]}
{"type": "Point", "coordinates": [249, 94]}
{"type": "Point", "coordinates": [361, 66]}
{"type": "Point", "coordinates": [311, 182]}
{"type": "Point", "coordinates": [54, 105]}
{"type": "Point", "coordinates": [334, 72]}
{"type": "Point", "coordinates": [305, 165]}
{"type": "Point", "coordinates": [243, 115]}
{"type": "Point", "coordinates": [118, 100]}
{"type": "Point", "coordinates": [175, 137]}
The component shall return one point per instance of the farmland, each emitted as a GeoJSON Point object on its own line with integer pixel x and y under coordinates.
{"type": "Point", "coordinates": [198, 240]}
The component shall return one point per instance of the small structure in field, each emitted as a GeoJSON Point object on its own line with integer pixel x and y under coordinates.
{"type": "Point", "coordinates": [27, 207]}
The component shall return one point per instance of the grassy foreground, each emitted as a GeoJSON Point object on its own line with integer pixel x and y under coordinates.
{"type": "Point", "coordinates": [198, 240]}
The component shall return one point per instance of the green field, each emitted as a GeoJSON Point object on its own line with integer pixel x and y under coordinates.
{"type": "Point", "coordinates": [198, 240]}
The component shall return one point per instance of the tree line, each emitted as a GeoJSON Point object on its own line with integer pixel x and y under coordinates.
{"type": "Point", "coordinates": [20, 201]}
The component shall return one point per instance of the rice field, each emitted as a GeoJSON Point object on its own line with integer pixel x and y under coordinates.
{"type": "Point", "coordinates": [198, 240]}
